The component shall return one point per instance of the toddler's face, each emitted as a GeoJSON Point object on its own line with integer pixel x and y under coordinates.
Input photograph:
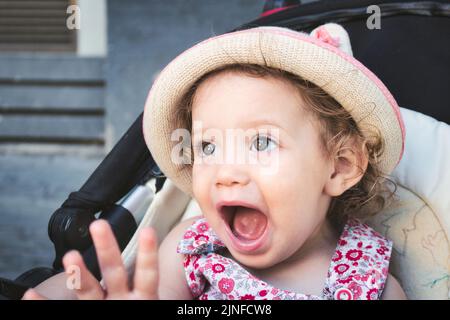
{"type": "Point", "coordinates": [266, 207]}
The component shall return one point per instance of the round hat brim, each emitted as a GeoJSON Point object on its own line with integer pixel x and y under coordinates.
{"type": "Point", "coordinates": [354, 86]}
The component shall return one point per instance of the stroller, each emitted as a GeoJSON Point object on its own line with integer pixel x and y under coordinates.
{"type": "Point", "coordinates": [410, 54]}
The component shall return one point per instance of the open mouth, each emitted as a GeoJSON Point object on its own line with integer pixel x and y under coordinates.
{"type": "Point", "coordinates": [246, 226]}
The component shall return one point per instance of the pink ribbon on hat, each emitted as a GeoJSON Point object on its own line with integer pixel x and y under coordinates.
{"type": "Point", "coordinates": [323, 35]}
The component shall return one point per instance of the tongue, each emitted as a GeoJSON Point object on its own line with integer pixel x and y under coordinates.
{"type": "Point", "coordinates": [249, 223]}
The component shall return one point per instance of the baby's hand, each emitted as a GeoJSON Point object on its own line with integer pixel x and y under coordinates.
{"type": "Point", "coordinates": [112, 268]}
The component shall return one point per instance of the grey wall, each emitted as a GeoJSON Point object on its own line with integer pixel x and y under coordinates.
{"type": "Point", "coordinates": [144, 36]}
{"type": "Point", "coordinates": [32, 187]}
{"type": "Point", "coordinates": [51, 139]}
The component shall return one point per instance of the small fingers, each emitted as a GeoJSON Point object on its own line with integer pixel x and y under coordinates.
{"type": "Point", "coordinates": [109, 258]}
{"type": "Point", "coordinates": [80, 279]}
{"type": "Point", "coordinates": [146, 273]}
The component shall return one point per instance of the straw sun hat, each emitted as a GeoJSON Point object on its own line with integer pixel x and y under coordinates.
{"type": "Point", "coordinates": [323, 57]}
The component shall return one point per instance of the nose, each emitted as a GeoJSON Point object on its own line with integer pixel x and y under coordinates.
{"type": "Point", "coordinates": [229, 175]}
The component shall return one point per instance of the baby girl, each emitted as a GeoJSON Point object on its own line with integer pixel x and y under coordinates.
{"type": "Point", "coordinates": [320, 134]}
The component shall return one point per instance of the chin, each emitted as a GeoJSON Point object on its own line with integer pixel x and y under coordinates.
{"type": "Point", "coordinates": [261, 261]}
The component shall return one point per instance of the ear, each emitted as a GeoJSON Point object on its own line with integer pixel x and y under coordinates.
{"type": "Point", "coordinates": [347, 169]}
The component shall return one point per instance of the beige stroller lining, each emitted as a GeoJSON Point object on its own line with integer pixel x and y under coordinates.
{"type": "Point", "coordinates": [418, 221]}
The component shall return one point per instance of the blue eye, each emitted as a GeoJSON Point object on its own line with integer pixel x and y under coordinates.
{"type": "Point", "coordinates": [207, 148]}
{"type": "Point", "coordinates": [263, 143]}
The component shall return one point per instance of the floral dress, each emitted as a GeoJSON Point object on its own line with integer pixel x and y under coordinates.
{"type": "Point", "coordinates": [357, 271]}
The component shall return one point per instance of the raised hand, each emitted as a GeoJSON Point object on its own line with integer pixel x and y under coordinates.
{"type": "Point", "coordinates": [115, 277]}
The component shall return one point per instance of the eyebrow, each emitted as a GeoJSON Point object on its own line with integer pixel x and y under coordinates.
{"type": "Point", "coordinates": [254, 123]}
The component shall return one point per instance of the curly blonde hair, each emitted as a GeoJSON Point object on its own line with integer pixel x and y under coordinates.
{"type": "Point", "coordinates": [336, 126]}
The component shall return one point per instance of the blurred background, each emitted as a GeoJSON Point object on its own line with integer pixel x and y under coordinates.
{"type": "Point", "coordinates": [67, 96]}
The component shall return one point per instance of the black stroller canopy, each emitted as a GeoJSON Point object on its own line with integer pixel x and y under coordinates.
{"type": "Point", "coordinates": [409, 53]}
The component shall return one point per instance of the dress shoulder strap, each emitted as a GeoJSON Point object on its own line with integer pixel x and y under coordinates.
{"type": "Point", "coordinates": [360, 264]}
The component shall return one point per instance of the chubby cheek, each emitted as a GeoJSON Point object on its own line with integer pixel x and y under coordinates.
{"type": "Point", "coordinates": [293, 192]}
{"type": "Point", "coordinates": [292, 197]}
{"type": "Point", "coordinates": [201, 187]}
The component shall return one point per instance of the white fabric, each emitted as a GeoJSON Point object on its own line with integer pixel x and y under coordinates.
{"type": "Point", "coordinates": [425, 167]}
{"type": "Point", "coordinates": [418, 221]}
{"type": "Point", "coordinates": [163, 214]}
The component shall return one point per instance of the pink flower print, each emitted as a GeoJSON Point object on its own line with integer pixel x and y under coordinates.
{"type": "Point", "coordinates": [337, 255]}
{"type": "Point", "coordinates": [208, 265]}
{"type": "Point", "coordinates": [194, 261]}
{"type": "Point", "coordinates": [346, 280]}
{"type": "Point", "coordinates": [200, 240]}
{"type": "Point", "coordinates": [218, 268]}
{"type": "Point", "coordinates": [372, 294]}
{"type": "Point", "coordinates": [382, 250]}
{"type": "Point", "coordinates": [192, 276]}
{"type": "Point", "coordinates": [202, 227]}
{"type": "Point", "coordinates": [343, 294]}
{"type": "Point", "coordinates": [342, 242]}
{"type": "Point", "coordinates": [262, 293]}
{"type": "Point", "coordinates": [189, 234]}
{"type": "Point", "coordinates": [226, 285]}
{"type": "Point", "coordinates": [201, 237]}
{"type": "Point", "coordinates": [204, 296]}
{"type": "Point", "coordinates": [355, 289]}
{"type": "Point", "coordinates": [374, 276]}
{"type": "Point", "coordinates": [248, 297]}
{"type": "Point", "coordinates": [187, 260]}
{"type": "Point", "coordinates": [341, 268]}
{"type": "Point", "coordinates": [354, 255]}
